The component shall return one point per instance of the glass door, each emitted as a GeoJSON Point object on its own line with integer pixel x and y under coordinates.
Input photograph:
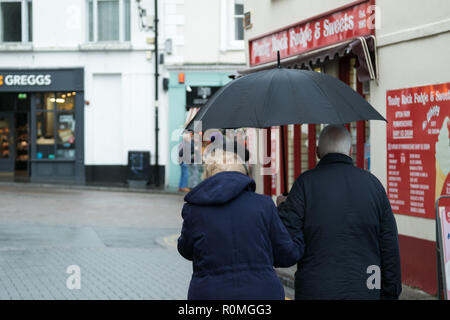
{"type": "Point", "coordinates": [7, 150]}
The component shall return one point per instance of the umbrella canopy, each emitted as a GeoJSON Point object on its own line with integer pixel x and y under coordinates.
{"type": "Point", "coordinates": [280, 96]}
{"type": "Point", "coordinates": [283, 96]}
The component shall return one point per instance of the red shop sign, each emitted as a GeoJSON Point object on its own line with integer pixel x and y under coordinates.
{"type": "Point", "coordinates": [342, 24]}
{"type": "Point", "coordinates": [418, 151]}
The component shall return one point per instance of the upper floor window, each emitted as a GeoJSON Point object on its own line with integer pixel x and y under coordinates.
{"type": "Point", "coordinates": [16, 21]}
{"type": "Point", "coordinates": [109, 20]}
{"type": "Point", "coordinates": [238, 20]}
{"type": "Point", "coordinates": [232, 25]}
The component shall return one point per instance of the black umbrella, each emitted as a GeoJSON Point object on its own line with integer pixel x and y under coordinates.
{"type": "Point", "coordinates": [280, 96]}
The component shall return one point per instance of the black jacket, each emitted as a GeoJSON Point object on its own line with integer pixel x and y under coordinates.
{"type": "Point", "coordinates": [348, 226]}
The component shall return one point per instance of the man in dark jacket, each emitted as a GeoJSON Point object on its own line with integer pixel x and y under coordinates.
{"type": "Point", "coordinates": [351, 238]}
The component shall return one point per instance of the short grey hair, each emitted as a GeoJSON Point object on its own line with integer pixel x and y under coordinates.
{"type": "Point", "coordinates": [334, 139]}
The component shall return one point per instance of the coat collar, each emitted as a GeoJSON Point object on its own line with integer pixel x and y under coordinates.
{"type": "Point", "coordinates": [334, 158]}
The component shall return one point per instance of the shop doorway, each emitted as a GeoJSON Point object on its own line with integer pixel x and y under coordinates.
{"type": "Point", "coordinates": [22, 144]}
{"type": "Point", "coordinates": [14, 136]}
{"type": "Point", "coordinates": [6, 144]}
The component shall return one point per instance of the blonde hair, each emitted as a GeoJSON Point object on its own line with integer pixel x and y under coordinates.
{"type": "Point", "coordinates": [219, 161]}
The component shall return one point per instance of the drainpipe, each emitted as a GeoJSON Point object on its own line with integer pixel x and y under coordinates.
{"type": "Point", "coordinates": [157, 177]}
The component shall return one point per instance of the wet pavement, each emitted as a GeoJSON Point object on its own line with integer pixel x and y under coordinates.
{"type": "Point", "coordinates": [122, 242]}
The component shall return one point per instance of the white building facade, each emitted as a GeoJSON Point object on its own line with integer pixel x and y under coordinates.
{"type": "Point", "coordinates": [99, 101]}
{"type": "Point", "coordinates": [408, 47]}
{"type": "Point", "coordinates": [206, 38]}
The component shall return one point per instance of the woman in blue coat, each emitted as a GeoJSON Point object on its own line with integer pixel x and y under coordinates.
{"type": "Point", "coordinates": [234, 237]}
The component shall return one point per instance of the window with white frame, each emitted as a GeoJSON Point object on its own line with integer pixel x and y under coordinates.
{"type": "Point", "coordinates": [232, 27]}
{"type": "Point", "coordinates": [238, 20]}
{"type": "Point", "coordinates": [109, 20]}
{"type": "Point", "coordinates": [16, 18]}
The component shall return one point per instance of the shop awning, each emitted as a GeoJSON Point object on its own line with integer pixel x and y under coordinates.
{"type": "Point", "coordinates": [363, 47]}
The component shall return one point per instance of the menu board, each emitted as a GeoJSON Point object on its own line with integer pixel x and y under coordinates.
{"type": "Point", "coordinates": [418, 148]}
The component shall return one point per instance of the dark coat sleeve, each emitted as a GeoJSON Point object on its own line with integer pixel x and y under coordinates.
{"type": "Point", "coordinates": [185, 241]}
{"type": "Point", "coordinates": [391, 279]}
{"type": "Point", "coordinates": [292, 211]}
{"type": "Point", "coordinates": [287, 251]}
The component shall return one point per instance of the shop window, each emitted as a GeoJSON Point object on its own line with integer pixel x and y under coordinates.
{"type": "Point", "coordinates": [55, 125]}
{"type": "Point", "coordinates": [7, 101]}
{"type": "Point", "coordinates": [304, 148]}
{"type": "Point", "coordinates": [5, 138]}
{"type": "Point", "coordinates": [290, 156]}
{"type": "Point", "coordinates": [45, 137]}
{"type": "Point", "coordinates": [65, 137]}
{"type": "Point", "coordinates": [16, 21]}
{"type": "Point", "coordinates": [45, 101]}
{"type": "Point", "coordinates": [65, 101]}
{"type": "Point", "coordinates": [109, 20]}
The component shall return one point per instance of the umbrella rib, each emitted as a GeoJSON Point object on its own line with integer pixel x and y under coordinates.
{"type": "Point", "coordinates": [291, 84]}
{"type": "Point", "coordinates": [254, 110]}
{"type": "Point", "coordinates": [267, 93]}
{"type": "Point", "coordinates": [328, 98]}
{"type": "Point", "coordinates": [357, 111]}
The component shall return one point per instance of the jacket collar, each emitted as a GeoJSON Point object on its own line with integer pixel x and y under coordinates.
{"type": "Point", "coordinates": [335, 158]}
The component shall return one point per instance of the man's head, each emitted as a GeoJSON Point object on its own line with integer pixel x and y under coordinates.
{"type": "Point", "coordinates": [334, 139]}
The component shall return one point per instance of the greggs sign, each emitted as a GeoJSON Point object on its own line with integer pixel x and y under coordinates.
{"type": "Point", "coordinates": [342, 24]}
{"type": "Point", "coordinates": [26, 80]}
{"type": "Point", "coordinates": [41, 80]}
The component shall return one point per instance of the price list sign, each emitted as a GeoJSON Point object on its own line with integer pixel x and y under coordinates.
{"type": "Point", "coordinates": [418, 148]}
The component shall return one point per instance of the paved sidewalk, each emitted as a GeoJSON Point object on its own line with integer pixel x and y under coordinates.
{"type": "Point", "coordinates": [115, 263]}
{"type": "Point", "coordinates": [114, 237]}
{"type": "Point", "coordinates": [106, 273]}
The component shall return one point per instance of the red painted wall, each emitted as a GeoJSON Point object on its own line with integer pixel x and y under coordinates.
{"type": "Point", "coordinates": [418, 259]}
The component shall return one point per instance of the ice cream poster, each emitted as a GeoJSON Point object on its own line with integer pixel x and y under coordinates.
{"type": "Point", "coordinates": [445, 249]}
{"type": "Point", "coordinates": [418, 148]}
